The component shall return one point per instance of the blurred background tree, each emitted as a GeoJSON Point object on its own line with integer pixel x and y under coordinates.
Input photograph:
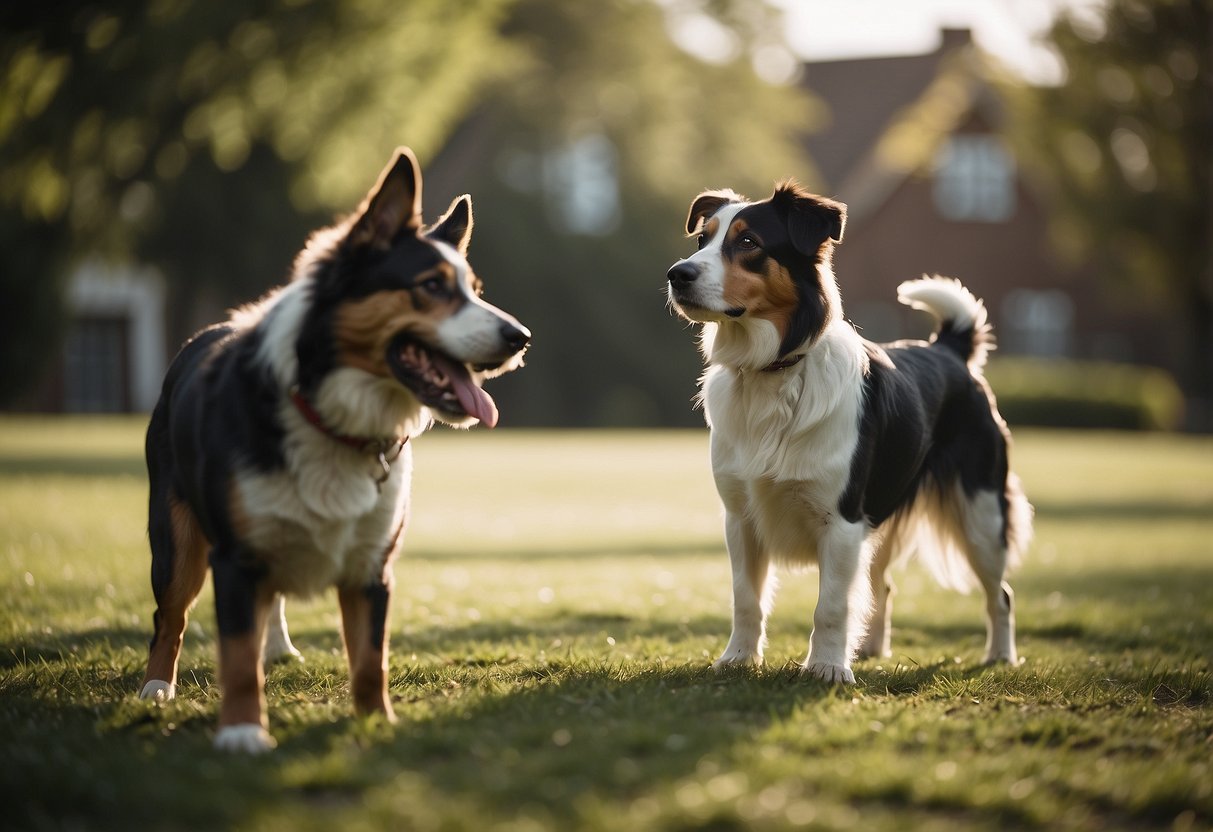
{"type": "Point", "coordinates": [582, 165]}
{"type": "Point", "coordinates": [1126, 144]}
{"type": "Point", "coordinates": [207, 139]}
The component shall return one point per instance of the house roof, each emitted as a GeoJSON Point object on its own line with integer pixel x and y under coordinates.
{"type": "Point", "coordinates": [886, 116]}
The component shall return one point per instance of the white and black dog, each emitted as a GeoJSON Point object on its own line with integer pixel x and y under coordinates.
{"type": "Point", "coordinates": [828, 449]}
{"type": "Point", "coordinates": [278, 452]}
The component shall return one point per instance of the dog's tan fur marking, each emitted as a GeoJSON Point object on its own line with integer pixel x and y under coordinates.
{"type": "Point", "coordinates": [242, 524]}
{"type": "Point", "coordinates": [363, 328]}
{"type": "Point", "coordinates": [368, 660]}
{"type": "Point", "coordinates": [770, 294]}
{"type": "Point", "coordinates": [390, 551]}
{"type": "Point", "coordinates": [188, 575]}
{"type": "Point", "coordinates": [241, 676]}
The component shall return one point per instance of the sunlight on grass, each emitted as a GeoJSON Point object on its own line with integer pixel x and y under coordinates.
{"type": "Point", "coordinates": [563, 492]}
{"type": "Point", "coordinates": [559, 600]}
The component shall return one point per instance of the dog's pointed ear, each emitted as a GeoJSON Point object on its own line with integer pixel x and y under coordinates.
{"type": "Point", "coordinates": [455, 226]}
{"type": "Point", "coordinates": [812, 219]}
{"type": "Point", "coordinates": [393, 205]}
{"type": "Point", "coordinates": [706, 204]}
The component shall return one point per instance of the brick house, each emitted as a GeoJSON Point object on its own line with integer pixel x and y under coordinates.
{"type": "Point", "coordinates": [913, 145]}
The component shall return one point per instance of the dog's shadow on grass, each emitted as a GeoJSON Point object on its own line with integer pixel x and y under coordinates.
{"type": "Point", "coordinates": [495, 735]}
{"type": "Point", "coordinates": [527, 734]}
{"type": "Point", "coordinates": [63, 645]}
{"type": "Point", "coordinates": [1099, 611]}
{"type": "Point", "coordinates": [492, 714]}
{"type": "Point", "coordinates": [511, 733]}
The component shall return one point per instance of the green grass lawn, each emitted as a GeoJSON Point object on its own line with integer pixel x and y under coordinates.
{"type": "Point", "coordinates": [559, 600]}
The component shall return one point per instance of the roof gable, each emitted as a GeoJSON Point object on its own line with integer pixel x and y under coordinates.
{"type": "Point", "coordinates": [888, 116]}
{"type": "Point", "coordinates": [863, 97]}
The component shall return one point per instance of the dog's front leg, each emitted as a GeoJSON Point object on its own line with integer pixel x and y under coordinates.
{"type": "Point", "coordinates": [753, 590]}
{"type": "Point", "coordinates": [843, 604]}
{"type": "Point", "coordinates": [241, 607]}
{"type": "Point", "coordinates": [364, 627]}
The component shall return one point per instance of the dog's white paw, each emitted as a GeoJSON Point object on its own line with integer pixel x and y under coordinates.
{"type": "Point", "coordinates": [158, 691]}
{"type": "Point", "coordinates": [276, 653]}
{"type": "Point", "coordinates": [1012, 658]}
{"type": "Point", "coordinates": [245, 738]}
{"type": "Point", "coordinates": [737, 658]}
{"type": "Point", "coordinates": [834, 673]}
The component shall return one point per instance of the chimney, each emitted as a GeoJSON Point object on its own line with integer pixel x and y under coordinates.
{"type": "Point", "coordinates": [953, 39]}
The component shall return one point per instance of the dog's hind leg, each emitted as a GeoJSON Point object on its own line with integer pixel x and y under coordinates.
{"type": "Point", "coordinates": [278, 646]}
{"type": "Point", "coordinates": [843, 604]}
{"type": "Point", "coordinates": [877, 640]}
{"type": "Point", "coordinates": [753, 593]}
{"type": "Point", "coordinates": [178, 572]}
{"type": "Point", "coordinates": [986, 548]}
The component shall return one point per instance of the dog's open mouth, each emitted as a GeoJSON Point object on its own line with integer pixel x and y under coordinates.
{"type": "Point", "coordinates": [439, 382]}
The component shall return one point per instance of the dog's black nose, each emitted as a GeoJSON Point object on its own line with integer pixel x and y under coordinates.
{"type": "Point", "coordinates": [683, 273]}
{"type": "Point", "coordinates": [515, 337]}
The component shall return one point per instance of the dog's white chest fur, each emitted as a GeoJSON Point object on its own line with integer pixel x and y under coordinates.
{"type": "Point", "coordinates": [324, 521]}
{"type": "Point", "coordinates": [782, 442]}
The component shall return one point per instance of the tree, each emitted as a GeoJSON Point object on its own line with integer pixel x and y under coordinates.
{"type": "Point", "coordinates": [174, 131]}
{"type": "Point", "coordinates": [207, 138]}
{"type": "Point", "coordinates": [582, 164]}
{"type": "Point", "coordinates": [1126, 143]}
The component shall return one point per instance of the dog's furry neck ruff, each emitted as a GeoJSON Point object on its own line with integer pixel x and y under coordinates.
{"type": "Point", "coordinates": [374, 445]}
{"type": "Point", "coordinates": [385, 449]}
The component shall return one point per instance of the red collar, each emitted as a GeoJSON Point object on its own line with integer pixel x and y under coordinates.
{"type": "Point", "coordinates": [783, 364]}
{"type": "Point", "coordinates": [386, 449]}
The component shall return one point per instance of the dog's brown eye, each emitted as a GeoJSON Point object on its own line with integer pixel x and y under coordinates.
{"type": "Point", "coordinates": [434, 286]}
{"type": "Point", "coordinates": [746, 242]}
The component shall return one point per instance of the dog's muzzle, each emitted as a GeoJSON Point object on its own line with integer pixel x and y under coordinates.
{"type": "Point", "coordinates": [687, 295]}
{"type": "Point", "coordinates": [682, 276]}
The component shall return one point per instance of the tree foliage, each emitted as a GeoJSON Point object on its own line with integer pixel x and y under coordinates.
{"type": "Point", "coordinates": [205, 137]}
{"type": "Point", "coordinates": [1126, 143]}
{"type": "Point", "coordinates": [208, 138]}
{"type": "Point", "coordinates": [102, 97]}
{"type": "Point", "coordinates": [658, 125]}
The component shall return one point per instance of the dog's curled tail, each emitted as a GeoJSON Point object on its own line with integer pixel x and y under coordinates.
{"type": "Point", "coordinates": [964, 323]}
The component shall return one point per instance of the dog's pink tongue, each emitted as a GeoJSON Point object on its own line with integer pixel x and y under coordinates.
{"type": "Point", "coordinates": [473, 399]}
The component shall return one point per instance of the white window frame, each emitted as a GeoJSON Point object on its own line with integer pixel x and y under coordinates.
{"type": "Point", "coordinates": [974, 179]}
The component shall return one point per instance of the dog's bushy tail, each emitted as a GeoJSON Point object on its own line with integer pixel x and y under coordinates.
{"type": "Point", "coordinates": [964, 323]}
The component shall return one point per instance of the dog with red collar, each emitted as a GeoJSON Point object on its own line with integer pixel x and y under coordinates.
{"type": "Point", "coordinates": [278, 453]}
